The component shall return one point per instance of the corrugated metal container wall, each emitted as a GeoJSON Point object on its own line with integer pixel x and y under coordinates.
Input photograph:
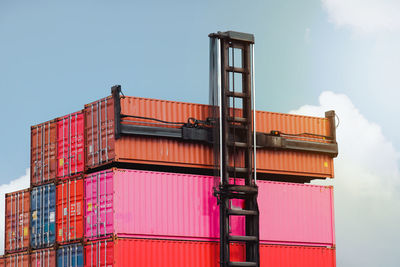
{"type": "Point", "coordinates": [43, 213]}
{"type": "Point", "coordinates": [17, 221]}
{"type": "Point", "coordinates": [43, 257]}
{"type": "Point", "coordinates": [70, 255]}
{"type": "Point", "coordinates": [43, 152]}
{"type": "Point", "coordinates": [101, 146]}
{"type": "Point", "coordinates": [182, 206]}
{"type": "Point", "coordinates": [172, 253]}
{"type": "Point", "coordinates": [20, 259]}
{"type": "Point", "coordinates": [69, 212]}
{"type": "Point", "coordinates": [2, 261]}
{"type": "Point", "coordinates": [70, 145]}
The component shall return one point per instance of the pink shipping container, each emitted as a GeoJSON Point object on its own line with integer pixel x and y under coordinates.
{"type": "Point", "coordinates": [70, 145]}
{"type": "Point", "coordinates": [43, 258]}
{"type": "Point", "coordinates": [171, 253]}
{"type": "Point", "coordinates": [182, 206]}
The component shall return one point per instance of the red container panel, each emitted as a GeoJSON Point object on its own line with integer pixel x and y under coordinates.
{"type": "Point", "coordinates": [20, 259]}
{"type": "Point", "coordinates": [102, 147]}
{"type": "Point", "coordinates": [70, 145]}
{"type": "Point", "coordinates": [171, 253]}
{"type": "Point", "coordinates": [69, 210]}
{"type": "Point", "coordinates": [43, 258]}
{"type": "Point", "coordinates": [43, 152]}
{"type": "Point", "coordinates": [17, 221]}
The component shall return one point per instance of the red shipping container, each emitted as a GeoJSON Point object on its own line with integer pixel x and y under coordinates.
{"type": "Point", "coordinates": [70, 145]}
{"type": "Point", "coordinates": [172, 253]}
{"type": "Point", "coordinates": [69, 210]}
{"type": "Point", "coordinates": [43, 152]}
{"type": "Point", "coordinates": [17, 219]}
{"type": "Point", "coordinates": [43, 258]}
{"type": "Point", "coordinates": [20, 259]}
{"type": "Point", "coordinates": [2, 261]}
{"type": "Point", "coordinates": [102, 147]}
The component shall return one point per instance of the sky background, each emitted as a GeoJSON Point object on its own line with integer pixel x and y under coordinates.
{"type": "Point", "coordinates": [311, 56]}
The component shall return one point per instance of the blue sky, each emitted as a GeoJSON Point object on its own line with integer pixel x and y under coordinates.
{"type": "Point", "coordinates": [55, 56]}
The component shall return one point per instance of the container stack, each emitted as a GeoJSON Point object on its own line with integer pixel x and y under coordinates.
{"type": "Point", "coordinates": [98, 198]}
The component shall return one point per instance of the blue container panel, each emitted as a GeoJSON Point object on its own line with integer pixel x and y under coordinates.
{"type": "Point", "coordinates": [70, 256]}
{"type": "Point", "coordinates": [43, 216]}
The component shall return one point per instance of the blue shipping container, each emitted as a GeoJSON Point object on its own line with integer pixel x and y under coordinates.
{"type": "Point", "coordinates": [70, 256]}
{"type": "Point", "coordinates": [43, 216]}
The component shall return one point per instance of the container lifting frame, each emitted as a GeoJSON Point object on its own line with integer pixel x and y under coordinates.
{"type": "Point", "coordinates": [231, 93]}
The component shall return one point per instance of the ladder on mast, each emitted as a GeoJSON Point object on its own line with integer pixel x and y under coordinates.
{"type": "Point", "coordinates": [232, 92]}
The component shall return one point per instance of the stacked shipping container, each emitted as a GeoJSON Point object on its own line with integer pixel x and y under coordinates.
{"type": "Point", "coordinates": [80, 211]}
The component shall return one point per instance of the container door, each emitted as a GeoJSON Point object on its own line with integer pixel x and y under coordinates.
{"type": "Point", "coordinates": [100, 254]}
{"type": "Point", "coordinates": [99, 134]}
{"type": "Point", "coordinates": [43, 216]}
{"type": "Point", "coordinates": [70, 256]}
{"type": "Point", "coordinates": [43, 152]}
{"type": "Point", "coordinates": [99, 205]}
{"type": "Point", "coordinates": [69, 210]}
{"type": "Point", "coordinates": [70, 144]}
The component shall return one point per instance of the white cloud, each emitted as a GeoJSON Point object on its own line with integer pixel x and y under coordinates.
{"type": "Point", "coordinates": [15, 185]}
{"type": "Point", "coordinates": [364, 16]}
{"type": "Point", "coordinates": [367, 202]}
{"type": "Point", "coordinates": [307, 36]}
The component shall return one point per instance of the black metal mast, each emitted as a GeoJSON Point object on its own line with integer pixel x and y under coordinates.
{"type": "Point", "coordinates": [231, 85]}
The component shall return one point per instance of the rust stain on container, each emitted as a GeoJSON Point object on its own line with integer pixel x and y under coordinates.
{"type": "Point", "coordinates": [43, 152]}
{"type": "Point", "coordinates": [102, 147]}
{"type": "Point", "coordinates": [17, 221]}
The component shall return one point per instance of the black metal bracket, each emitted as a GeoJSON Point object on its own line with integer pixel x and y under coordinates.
{"type": "Point", "coordinates": [202, 134]}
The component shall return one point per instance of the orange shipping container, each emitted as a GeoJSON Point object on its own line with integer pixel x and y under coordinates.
{"type": "Point", "coordinates": [43, 258]}
{"type": "Point", "coordinates": [43, 152]}
{"type": "Point", "coordinates": [69, 210]}
{"type": "Point", "coordinates": [102, 147]}
{"type": "Point", "coordinates": [17, 221]}
{"type": "Point", "coordinates": [20, 259]}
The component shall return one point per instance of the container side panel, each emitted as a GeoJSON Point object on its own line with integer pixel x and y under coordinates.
{"type": "Point", "coordinates": [17, 215]}
{"type": "Point", "coordinates": [149, 253]}
{"type": "Point", "coordinates": [70, 256]}
{"type": "Point", "coordinates": [43, 258]}
{"type": "Point", "coordinates": [101, 254]}
{"type": "Point", "coordinates": [163, 151]}
{"type": "Point", "coordinates": [181, 206]}
{"type": "Point", "coordinates": [43, 152]}
{"type": "Point", "coordinates": [69, 213]}
{"type": "Point", "coordinates": [299, 213]}
{"type": "Point", "coordinates": [99, 132]}
{"type": "Point", "coordinates": [99, 204]}
{"type": "Point", "coordinates": [70, 145]}
{"type": "Point", "coordinates": [43, 216]}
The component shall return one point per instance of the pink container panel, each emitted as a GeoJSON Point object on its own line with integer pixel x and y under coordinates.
{"type": "Point", "coordinates": [99, 204]}
{"type": "Point", "coordinates": [70, 145]}
{"type": "Point", "coordinates": [181, 206]}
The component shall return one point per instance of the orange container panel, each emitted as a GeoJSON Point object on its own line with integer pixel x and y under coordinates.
{"type": "Point", "coordinates": [17, 221]}
{"type": "Point", "coordinates": [43, 258]}
{"type": "Point", "coordinates": [69, 210]}
{"type": "Point", "coordinates": [170, 253]}
{"type": "Point", "coordinates": [102, 147]}
{"type": "Point", "coordinates": [43, 152]}
{"type": "Point", "coordinates": [20, 259]}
